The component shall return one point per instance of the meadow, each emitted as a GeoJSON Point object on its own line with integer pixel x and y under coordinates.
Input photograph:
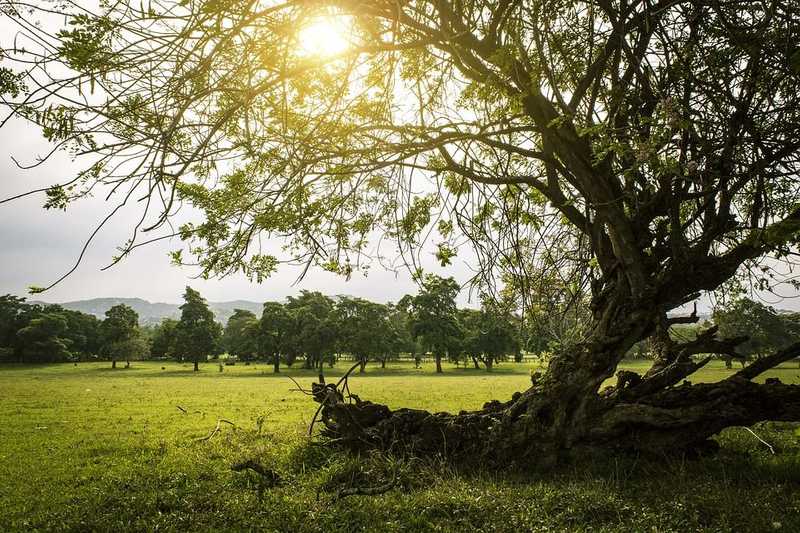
{"type": "Point", "coordinates": [87, 448]}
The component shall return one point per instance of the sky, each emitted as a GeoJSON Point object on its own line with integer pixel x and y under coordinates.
{"type": "Point", "coordinates": [37, 246]}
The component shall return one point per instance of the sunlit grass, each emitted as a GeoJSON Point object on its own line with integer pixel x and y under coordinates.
{"type": "Point", "coordinates": [84, 447]}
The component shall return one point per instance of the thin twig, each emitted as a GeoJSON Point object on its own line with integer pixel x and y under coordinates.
{"type": "Point", "coordinates": [299, 387]}
{"type": "Point", "coordinates": [216, 430]}
{"type": "Point", "coordinates": [765, 443]}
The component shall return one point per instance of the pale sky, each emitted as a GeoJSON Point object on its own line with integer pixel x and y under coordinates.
{"type": "Point", "coordinates": [37, 246]}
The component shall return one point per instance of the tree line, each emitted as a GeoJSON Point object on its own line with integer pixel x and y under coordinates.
{"type": "Point", "coordinates": [311, 327]}
{"type": "Point", "coordinates": [319, 330]}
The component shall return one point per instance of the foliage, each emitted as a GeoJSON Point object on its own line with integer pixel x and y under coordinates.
{"type": "Point", "coordinates": [433, 316]}
{"type": "Point", "coordinates": [767, 331]}
{"type": "Point", "coordinates": [196, 334]}
{"type": "Point", "coordinates": [163, 338]}
{"type": "Point", "coordinates": [49, 333]}
{"type": "Point", "coordinates": [43, 339]}
{"type": "Point", "coordinates": [313, 331]}
{"type": "Point", "coordinates": [240, 337]}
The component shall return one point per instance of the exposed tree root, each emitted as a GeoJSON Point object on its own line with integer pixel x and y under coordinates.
{"type": "Point", "coordinates": [545, 424]}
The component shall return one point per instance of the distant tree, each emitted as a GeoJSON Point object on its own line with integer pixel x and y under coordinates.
{"type": "Point", "coordinates": [404, 319]}
{"type": "Point", "coordinates": [84, 332]}
{"type": "Point", "coordinates": [469, 320]}
{"type": "Point", "coordinates": [43, 339]}
{"type": "Point", "coordinates": [121, 337]}
{"type": "Point", "coordinates": [489, 334]}
{"type": "Point", "coordinates": [14, 316]}
{"type": "Point", "coordinates": [398, 337]}
{"type": "Point", "coordinates": [274, 330]}
{"type": "Point", "coordinates": [364, 329]}
{"type": "Point", "coordinates": [196, 334]}
{"type": "Point", "coordinates": [313, 331]}
{"type": "Point", "coordinates": [766, 330]}
{"type": "Point", "coordinates": [163, 338]}
{"type": "Point", "coordinates": [433, 315]}
{"type": "Point", "coordinates": [240, 337]}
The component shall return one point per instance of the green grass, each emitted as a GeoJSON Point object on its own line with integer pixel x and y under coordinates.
{"type": "Point", "coordinates": [85, 448]}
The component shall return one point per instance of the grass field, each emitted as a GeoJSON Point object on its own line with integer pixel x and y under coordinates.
{"type": "Point", "coordinates": [85, 448]}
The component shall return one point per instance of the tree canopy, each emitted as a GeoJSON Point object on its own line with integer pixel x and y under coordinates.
{"type": "Point", "coordinates": [627, 155]}
{"type": "Point", "coordinates": [121, 336]}
{"type": "Point", "coordinates": [196, 333]}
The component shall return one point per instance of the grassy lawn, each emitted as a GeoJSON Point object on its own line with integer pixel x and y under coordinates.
{"type": "Point", "coordinates": [86, 448]}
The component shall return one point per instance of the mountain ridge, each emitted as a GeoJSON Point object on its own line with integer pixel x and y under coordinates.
{"type": "Point", "coordinates": [153, 312]}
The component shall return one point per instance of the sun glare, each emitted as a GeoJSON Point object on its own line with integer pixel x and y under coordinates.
{"type": "Point", "coordinates": [324, 37]}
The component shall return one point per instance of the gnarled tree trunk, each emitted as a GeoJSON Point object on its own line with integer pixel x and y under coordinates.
{"type": "Point", "coordinates": [564, 412]}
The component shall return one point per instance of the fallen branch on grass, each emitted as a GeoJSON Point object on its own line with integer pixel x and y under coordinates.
{"type": "Point", "coordinates": [216, 429]}
{"type": "Point", "coordinates": [765, 443]}
{"type": "Point", "coordinates": [323, 393]}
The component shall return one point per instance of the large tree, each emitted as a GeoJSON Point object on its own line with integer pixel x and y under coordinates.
{"type": "Point", "coordinates": [240, 337]}
{"type": "Point", "coordinates": [121, 336]}
{"type": "Point", "coordinates": [645, 150]}
{"type": "Point", "coordinates": [313, 330]}
{"type": "Point", "coordinates": [434, 318]}
{"type": "Point", "coordinates": [275, 332]}
{"type": "Point", "coordinates": [363, 329]}
{"type": "Point", "coordinates": [197, 333]}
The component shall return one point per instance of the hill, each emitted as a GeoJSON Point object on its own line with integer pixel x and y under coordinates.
{"type": "Point", "coordinates": [155, 312]}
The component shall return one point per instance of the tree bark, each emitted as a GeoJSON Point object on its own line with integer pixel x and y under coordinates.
{"type": "Point", "coordinates": [196, 365]}
{"type": "Point", "coordinates": [538, 425]}
{"type": "Point", "coordinates": [565, 413]}
{"type": "Point", "coordinates": [276, 363]}
{"type": "Point", "coordinates": [438, 358]}
{"type": "Point", "coordinates": [113, 362]}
